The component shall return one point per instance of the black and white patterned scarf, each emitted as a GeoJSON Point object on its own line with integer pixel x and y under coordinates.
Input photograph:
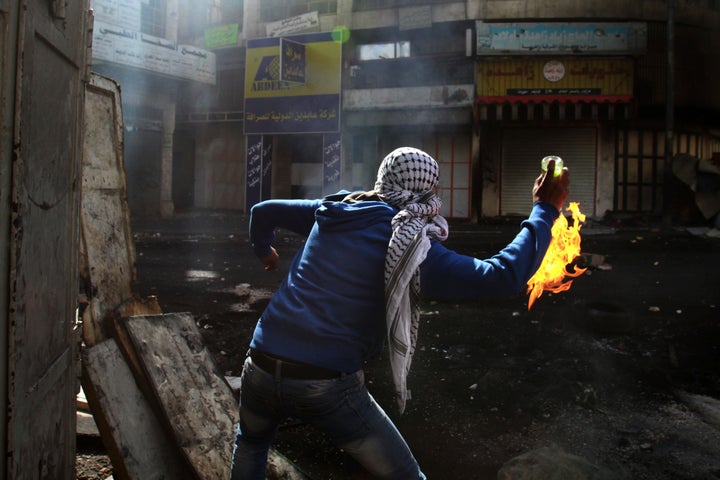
{"type": "Point", "coordinates": [407, 179]}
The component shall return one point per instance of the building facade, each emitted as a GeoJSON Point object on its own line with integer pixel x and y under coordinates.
{"type": "Point", "coordinates": [136, 43]}
{"type": "Point", "coordinates": [308, 97]}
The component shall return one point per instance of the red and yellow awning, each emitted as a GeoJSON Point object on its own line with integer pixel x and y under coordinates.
{"type": "Point", "coordinates": [554, 99]}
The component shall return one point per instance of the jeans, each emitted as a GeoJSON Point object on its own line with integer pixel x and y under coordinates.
{"type": "Point", "coordinates": [341, 407]}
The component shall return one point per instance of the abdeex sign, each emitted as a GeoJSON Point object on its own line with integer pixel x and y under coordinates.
{"type": "Point", "coordinates": [274, 105]}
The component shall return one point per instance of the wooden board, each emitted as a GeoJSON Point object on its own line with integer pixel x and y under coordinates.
{"type": "Point", "coordinates": [107, 250]}
{"type": "Point", "coordinates": [167, 353]}
{"type": "Point", "coordinates": [138, 446]}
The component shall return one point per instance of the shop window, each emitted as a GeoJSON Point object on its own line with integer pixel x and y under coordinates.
{"type": "Point", "coordinates": [225, 11]}
{"type": "Point", "coordinates": [383, 51]}
{"type": "Point", "coordinates": [152, 17]}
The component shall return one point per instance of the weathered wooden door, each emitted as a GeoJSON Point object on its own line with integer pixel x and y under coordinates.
{"type": "Point", "coordinates": [44, 51]}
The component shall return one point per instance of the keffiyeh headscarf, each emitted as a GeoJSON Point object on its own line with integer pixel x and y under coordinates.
{"type": "Point", "coordinates": [407, 179]}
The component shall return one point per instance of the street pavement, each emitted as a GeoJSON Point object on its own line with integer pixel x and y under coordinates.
{"type": "Point", "coordinates": [623, 370]}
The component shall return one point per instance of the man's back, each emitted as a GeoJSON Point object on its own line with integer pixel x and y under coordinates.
{"type": "Point", "coordinates": [330, 310]}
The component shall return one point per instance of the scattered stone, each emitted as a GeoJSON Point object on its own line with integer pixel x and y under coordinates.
{"type": "Point", "coordinates": [242, 290]}
{"type": "Point", "coordinates": [592, 260]}
{"type": "Point", "coordinates": [234, 383]}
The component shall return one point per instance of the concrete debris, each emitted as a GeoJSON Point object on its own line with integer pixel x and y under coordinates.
{"type": "Point", "coordinates": [242, 290]}
{"type": "Point", "coordinates": [553, 463]}
{"type": "Point", "coordinates": [234, 383]}
{"type": "Point", "coordinates": [707, 407]}
{"type": "Point", "coordinates": [592, 259]}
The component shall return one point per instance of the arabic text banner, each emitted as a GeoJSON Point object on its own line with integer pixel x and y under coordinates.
{"type": "Point", "coordinates": [570, 76]}
{"type": "Point", "coordinates": [332, 152]}
{"type": "Point", "coordinates": [131, 48]}
{"type": "Point", "coordinates": [258, 181]}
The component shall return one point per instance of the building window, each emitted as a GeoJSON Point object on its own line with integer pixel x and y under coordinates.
{"type": "Point", "coordinates": [360, 5]}
{"type": "Point", "coordinates": [383, 51]}
{"type": "Point", "coordinates": [225, 12]}
{"type": "Point", "coordinates": [273, 10]}
{"type": "Point", "coordinates": [152, 17]}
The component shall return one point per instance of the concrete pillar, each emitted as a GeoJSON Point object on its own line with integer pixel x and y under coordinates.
{"type": "Point", "coordinates": [251, 20]}
{"type": "Point", "coordinates": [171, 20]}
{"type": "Point", "coordinates": [167, 207]}
{"type": "Point", "coordinates": [345, 12]}
{"type": "Point", "coordinates": [476, 192]}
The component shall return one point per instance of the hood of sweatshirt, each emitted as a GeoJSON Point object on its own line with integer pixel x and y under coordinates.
{"type": "Point", "coordinates": [343, 216]}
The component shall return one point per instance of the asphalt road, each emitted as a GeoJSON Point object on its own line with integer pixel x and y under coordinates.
{"type": "Point", "coordinates": [623, 370]}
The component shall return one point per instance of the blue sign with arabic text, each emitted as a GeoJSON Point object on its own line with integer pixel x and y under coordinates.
{"type": "Point", "coordinates": [292, 61]}
{"type": "Point", "coordinates": [570, 38]}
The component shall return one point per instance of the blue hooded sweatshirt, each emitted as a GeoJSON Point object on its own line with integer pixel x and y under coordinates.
{"type": "Point", "coordinates": [330, 309]}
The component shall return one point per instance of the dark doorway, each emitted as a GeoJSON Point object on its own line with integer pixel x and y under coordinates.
{"type": "Point", "coordinates": [306, 153]}
{"type": "Point", "coordinates": [143, 150]}
{"type": "Point", "coordinates": [183, 179]}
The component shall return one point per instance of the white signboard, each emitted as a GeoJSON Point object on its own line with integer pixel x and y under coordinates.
{"type": "Point", "coordinates": [112, 43]}
{"type": "Point", "coordinates": [571, 38]}
{"type": "Point", "coordinates": [306, 21]}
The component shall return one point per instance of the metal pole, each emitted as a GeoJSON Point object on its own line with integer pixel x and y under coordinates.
{"type": "Point", "coordinates": [669, 114]}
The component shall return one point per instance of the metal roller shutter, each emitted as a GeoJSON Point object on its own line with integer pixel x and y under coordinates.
{"type": "Point", "coordinates": [453, 152]}
{"type": "Point", "coordinates": [524, 148]}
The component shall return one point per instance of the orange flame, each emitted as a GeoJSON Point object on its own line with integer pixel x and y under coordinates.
{"type": "Point", "coordinates": [563, 250]}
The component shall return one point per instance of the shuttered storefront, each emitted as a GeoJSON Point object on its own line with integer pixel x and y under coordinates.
{"type": "Point", "coordinates": [453, 152]}
{"type": "Point", "coordinates": [522, 150]}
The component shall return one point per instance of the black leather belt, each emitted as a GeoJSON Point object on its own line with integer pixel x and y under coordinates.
{"type": "Point", "coordinates": [289, 369]}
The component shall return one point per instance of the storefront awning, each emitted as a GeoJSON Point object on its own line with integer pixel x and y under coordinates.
{"type": "Point", "coordinates": [553, 107]}
{"type": "Point", "coordinates": [512, 99]}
